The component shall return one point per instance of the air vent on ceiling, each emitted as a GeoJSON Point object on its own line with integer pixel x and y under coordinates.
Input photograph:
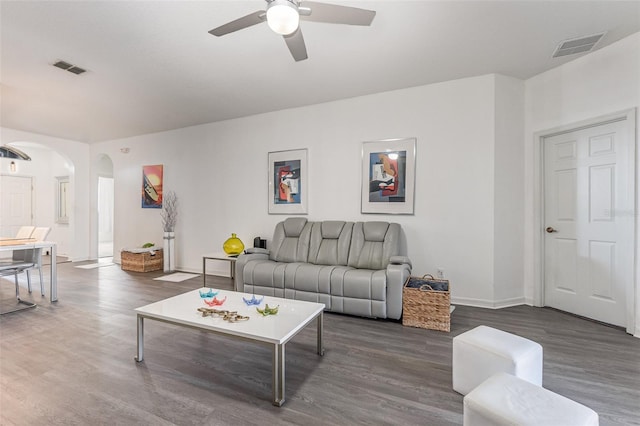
{"type": "Point", "coordinates": [69, 67]}
{"type": "Point", "coordinates": [76, 70]}
{"type": "Point", "coordinates": [577, 45]}
{"type": "Point", "coordinates": [63, 65]}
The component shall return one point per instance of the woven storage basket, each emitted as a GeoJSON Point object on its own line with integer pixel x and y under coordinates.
{"type": "Point", "coordinates": [142, 262]}
{"type": "Point", "coordinates": [426, 303]}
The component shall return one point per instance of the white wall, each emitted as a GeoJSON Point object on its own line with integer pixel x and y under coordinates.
{"type": "Point", "coordinates": [69, 158]}
{"type": "Point", "coordinates": [598, 84]}
{"type": "Point", "coordinates": [219, 172]}
{"type": "Point", "coordinates": [508, 197]}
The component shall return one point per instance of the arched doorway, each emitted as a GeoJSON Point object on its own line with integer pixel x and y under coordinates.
{"type": "Point", "coordinates": [105, 206]}
{"type": "Point", "coordinates": [49, 193]}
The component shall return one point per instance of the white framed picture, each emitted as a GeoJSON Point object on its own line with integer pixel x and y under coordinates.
{"type": "Point", "coordinates": [388, 176]}
{"type": "Point", "coordinates": [288, 182]}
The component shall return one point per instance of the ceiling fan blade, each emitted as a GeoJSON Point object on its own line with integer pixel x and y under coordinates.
{"type": "Point", "coordinates": [240, 23]}
{"type": "Point", "coordinates": [295, 43]}
{"type": "Point", "coordinates": [334, 14]}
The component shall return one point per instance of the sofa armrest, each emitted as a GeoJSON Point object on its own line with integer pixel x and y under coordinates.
{"type": "Point", "coordinates": [399, 260]}
{"type": "Point", "coordinates": [256, 250]}
{"type": "Point", "coordinates": [243, 259]}
{"type": "Point", "coordinates": [398, 271]}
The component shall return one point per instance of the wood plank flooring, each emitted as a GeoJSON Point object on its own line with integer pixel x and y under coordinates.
{"type": "Point", "coordinates": [72, 363]}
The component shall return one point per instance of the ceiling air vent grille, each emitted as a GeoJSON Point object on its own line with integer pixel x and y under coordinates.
{"type": "Point", "coordinates": [577, 45]}
{"type": "Point", "coordinates": [69, 67]}
{"type": "Point", "coordinates": [76, 70]}
{"type": "Point", "coordinates": [62, 65]}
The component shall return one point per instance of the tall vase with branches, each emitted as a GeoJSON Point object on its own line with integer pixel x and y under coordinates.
{"type": "Point", "coordinates": [169, 215]}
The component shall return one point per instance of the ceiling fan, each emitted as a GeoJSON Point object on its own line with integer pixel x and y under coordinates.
{"type": "Point", "coordinates": [283, 18]}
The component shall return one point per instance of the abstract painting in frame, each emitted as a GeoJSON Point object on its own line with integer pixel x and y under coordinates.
{"type": "Point", "coordinates": [152, 187]}
{"type": "Point", "coordinates": [388, 176]}
{"type": "Point", "coordinates": [288, 182]}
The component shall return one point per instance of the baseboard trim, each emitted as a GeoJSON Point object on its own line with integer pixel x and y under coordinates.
{"type": "Point", "coordinates": [490, 304]}
{"type": "Point", "coordinates": [210, 271]}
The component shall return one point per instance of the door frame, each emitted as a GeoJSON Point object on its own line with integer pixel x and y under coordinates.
{"type": "Point", "coordinates": [632, 290]}
{"type": "Point", "coordinates": [104, 176]}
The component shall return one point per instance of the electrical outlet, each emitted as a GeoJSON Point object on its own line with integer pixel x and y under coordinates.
{"type": "Point", "coordinates": [440, 273]}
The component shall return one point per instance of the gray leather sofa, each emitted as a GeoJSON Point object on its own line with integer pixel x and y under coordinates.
{"type": "Point", "coordinates": [353, 268]}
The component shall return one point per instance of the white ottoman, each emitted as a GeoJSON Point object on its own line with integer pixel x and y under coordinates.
{"type": "Point", "coordinates": [504, 399]}
{"type": "Point", "coordinates": [480, 353]}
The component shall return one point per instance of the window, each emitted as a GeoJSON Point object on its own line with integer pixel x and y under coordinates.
{"type": "Point", "coordinates": [11, 152]}
{"type": "Point", "coordinates": [62, 199]}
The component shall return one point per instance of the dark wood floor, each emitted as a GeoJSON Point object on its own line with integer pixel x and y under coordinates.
{"type": "Point", "coordinates": [71, 363]}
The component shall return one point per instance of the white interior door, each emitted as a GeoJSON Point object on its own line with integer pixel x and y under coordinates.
{"type": "Point", "coordinates": [589, 205]}
{"type": "Point", "coordinates": [15, 204]}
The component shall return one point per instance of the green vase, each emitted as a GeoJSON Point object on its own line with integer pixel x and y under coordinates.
{"type": "Point", "coordinates": [233, 246]}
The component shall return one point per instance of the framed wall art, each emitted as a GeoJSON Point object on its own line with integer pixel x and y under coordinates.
{"type": "Point", "coordinates": [388, 176]}
{"type": "Point", "coordinates": [152, 187]}
{"type": "Point", "coordinates": [288, 182]}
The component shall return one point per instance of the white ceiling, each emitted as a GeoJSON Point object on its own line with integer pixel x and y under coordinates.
{"type": "Point", "coordinates": [152, 66]}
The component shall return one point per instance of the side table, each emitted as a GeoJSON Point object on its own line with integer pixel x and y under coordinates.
{"type": "Point", "coordinates": [218, 256]}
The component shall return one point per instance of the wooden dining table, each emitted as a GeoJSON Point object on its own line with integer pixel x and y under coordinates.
{"type": "Point", "coordinates": [13, 244]}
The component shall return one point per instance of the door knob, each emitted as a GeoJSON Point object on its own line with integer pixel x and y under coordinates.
{"type": "Point", "coordinates": [550, 230]}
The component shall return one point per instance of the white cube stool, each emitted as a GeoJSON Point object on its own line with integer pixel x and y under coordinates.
{"type": "Point", "coordinates": [504, 399]}
{"type": "Point", "coordinates": [483, 351]}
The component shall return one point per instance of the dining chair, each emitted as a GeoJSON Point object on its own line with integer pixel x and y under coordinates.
{"type": "Point", "coordinates": [14, 267]}
{"type": "Point", "coordinates": [39, 234]}
{"type": "Point", "coordinates": [25, 231]}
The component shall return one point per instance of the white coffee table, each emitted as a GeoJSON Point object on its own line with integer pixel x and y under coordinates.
{"type": "Point", "coordinates": [275, 330]}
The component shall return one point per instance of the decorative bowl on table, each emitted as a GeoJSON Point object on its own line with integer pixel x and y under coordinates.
{"type": "Point", "coordinates": [208, 293]}
{"type": "Point", "coordinates": [266, 311]}
{"type": "Point", "coordinates": [253, 300]}
{"type": "Point", "coordinates": [215, 301]}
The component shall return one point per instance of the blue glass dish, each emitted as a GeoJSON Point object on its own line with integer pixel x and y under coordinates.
{"type": "Point", "coordinates": [253, 300]}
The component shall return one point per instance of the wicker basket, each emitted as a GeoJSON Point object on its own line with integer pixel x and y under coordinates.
{"type": "Point", "coordinates": [142, 262]}
{"type": "Point", "coordinates": [426, 303]}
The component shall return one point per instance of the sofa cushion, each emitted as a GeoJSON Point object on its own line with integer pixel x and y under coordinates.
{"type": "Point", "coordinates": [291, 240]}
{"type": "Point", "coordinates": [359, 292]}
{"type": "Point", "coordinates": [308, 277]}
{"type": "Point", "coordinates": [304, 281]}
{"type": "Point", "coordinates": [264, 273]}
{"type": "Point", "coordinates": [364, 284]}
{"type": "Point", "coordinates": [330, 242]}
{"type": "Point", "coordinates": [373, 244]}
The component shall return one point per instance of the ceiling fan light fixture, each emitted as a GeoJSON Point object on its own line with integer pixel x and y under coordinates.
{"type": "Point", "coordinates": [283, 17]}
